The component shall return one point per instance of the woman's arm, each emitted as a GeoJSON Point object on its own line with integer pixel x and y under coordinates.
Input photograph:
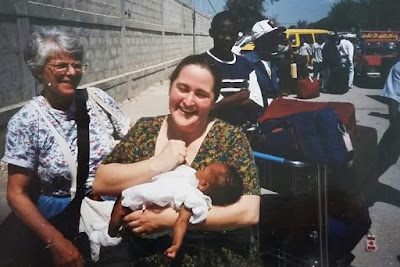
{"type": "Point", "coordinates": [243, 213]}
{"type": "Point", "coordinates": [112, 178]}
{"type": "Point", "coordinates": [63, 252]}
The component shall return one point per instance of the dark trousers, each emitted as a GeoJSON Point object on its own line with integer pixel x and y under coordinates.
{"type": "Point", "coordinates": [19, 246]}
{"type": "Point", "coordinates": [131, 250]}
{"type": "Point", "coordinates": [335, 79]}
{"type": "Point", "coordinates": [389, 146]}
{"type": "Point", "coordinates": [318, 70]}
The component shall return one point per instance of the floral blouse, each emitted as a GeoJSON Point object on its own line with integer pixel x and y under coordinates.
{"type": "Point", "coordinates": [224, 143]}
{"type": "Point", "coordinates": [31, 144]}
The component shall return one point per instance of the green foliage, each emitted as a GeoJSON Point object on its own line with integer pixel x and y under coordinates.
{"type": "Point", "coordinates": [302, 24]}
{"type": "Point", "coordinates": [247, 12]}
{"type": "Point", "coordinates": [362, 14]}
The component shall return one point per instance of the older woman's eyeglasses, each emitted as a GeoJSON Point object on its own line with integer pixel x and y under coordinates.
{"type": "Point", "coordinates": [63, 67]}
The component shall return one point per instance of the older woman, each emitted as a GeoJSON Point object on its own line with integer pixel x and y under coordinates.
{"type": "Point", "coordinates": [35, 156]}
{"type": "Point", "coordinates": [188, 135]}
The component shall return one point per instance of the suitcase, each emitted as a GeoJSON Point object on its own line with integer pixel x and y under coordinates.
{"type": "Point", "coordinates": [281, 107]}
{"type": "Point", "coordinates": [308, 88]}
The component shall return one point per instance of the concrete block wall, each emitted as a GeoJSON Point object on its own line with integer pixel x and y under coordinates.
{"type": "Point", "coordinates": [129, 44]}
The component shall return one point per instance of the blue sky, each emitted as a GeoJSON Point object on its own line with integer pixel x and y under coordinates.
{"type": "Point", "coordinates": [288, 12]}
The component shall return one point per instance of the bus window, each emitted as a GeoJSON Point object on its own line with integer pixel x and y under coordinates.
{"type": "Point", "coordinates": [380, 48]}
{"type": "Point", "coordinates": [292, 39]}
{"type": "Point", "coordinates": [306, 38]}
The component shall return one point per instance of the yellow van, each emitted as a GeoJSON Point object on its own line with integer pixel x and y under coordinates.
{"type": "Point", "coordinates": [296, 35]}
{"type": "Point", "coordinates": [308, 35]}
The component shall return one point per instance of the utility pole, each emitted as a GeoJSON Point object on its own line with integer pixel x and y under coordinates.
{"type": "Point", "coordinates": [194, 27]}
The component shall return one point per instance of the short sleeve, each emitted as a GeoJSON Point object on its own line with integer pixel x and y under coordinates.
{"type": "Point", "coordinates": [138, 144]}
{"type": "Point", "coordinates": [20, 149]}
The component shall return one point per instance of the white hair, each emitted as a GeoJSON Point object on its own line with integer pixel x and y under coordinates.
{"type": "Point", "coordinates": [45, 42]}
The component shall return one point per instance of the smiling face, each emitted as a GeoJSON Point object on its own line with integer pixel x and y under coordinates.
{"type": "Point", "coordinates": [191, 97]}
{"type": "Point", "coordinates": [62, 83]}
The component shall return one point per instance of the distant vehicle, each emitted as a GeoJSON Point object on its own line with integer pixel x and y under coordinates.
{"type": "Point", "coordinates": [309, 35]}
{"type": "Point", "coordinates": [295, 36]}
{"type": "Point", "coordinates": [375, 53]}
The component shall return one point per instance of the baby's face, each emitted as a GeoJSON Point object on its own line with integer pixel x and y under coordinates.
{"type": "Point", "coordinates": [206, 175]}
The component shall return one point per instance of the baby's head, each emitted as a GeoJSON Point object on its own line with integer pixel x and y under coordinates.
{"type": "Point", "coordinates": [221, 182]}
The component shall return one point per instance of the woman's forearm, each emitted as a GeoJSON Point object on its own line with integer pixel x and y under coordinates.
{"type": "Point", "coordinates": [243, 213]}
{"type": "Point", "coordinates": [26, 210]}
{"type": "Point", "coordinates": [112, 178]}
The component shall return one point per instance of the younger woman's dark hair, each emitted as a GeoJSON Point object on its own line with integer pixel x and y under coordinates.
{"type": "Point", "coordinates": [199, 60]}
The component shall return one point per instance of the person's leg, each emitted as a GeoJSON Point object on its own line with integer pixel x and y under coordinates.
{"type": "Point", "coordinates": [318, 70]}
{"type": "Point", "coordinates": [327, 79]}
{"type": "Point", "coordinates": [351, 73]}
{"type": "Point", "coordinates": [321, 71]}
{"type": "Point", "coordinates": [315, 70]}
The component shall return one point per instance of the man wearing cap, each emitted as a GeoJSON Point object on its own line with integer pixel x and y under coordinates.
{"type": "Point", "coordinates": [266, 42]}
{"type": "Point", "coordinates": [240, 100]}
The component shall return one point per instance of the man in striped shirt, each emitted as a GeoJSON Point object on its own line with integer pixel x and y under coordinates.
{"type": "Point", "coordinates": [240, 100]}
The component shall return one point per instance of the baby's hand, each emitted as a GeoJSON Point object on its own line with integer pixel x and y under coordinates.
{"type": "Point", "coordinates": [171, 252]}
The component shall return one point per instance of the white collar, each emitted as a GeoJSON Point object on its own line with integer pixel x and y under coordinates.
{"type": "Point", "coordinates": [222, 61]}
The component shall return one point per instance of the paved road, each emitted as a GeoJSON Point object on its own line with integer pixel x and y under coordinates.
{"type": "Point", "coordinates": [369, 112]}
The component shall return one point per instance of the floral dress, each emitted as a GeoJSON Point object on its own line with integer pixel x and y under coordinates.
{"type": "Point", "coordinates": [224, 143]}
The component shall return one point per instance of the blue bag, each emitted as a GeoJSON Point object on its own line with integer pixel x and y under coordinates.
{"type": "Point", "coordinates": [280, 138]}
{"type": "Point", "coordinates": [315, 134]}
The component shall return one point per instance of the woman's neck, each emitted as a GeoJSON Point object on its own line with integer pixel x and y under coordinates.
{"type": "Point", "coordinates": [56, 102]}
{"type": "Point", "coordinates": [173, 132]}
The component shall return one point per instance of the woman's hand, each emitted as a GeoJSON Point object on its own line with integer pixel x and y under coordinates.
{"type": "Point", "coordinates": [64, 253]}
{"type": "Point", "coordinates": [172, 155]}
{"type": "Point", "coordinates": [150, 221]}
{"type": "Point", "coordinates": [112, 178]}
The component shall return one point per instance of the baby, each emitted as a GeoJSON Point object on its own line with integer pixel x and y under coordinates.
{"type": "Point", "coordinates": [182, 189]}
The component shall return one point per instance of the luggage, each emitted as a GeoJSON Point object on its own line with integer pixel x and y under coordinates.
{"type": "Point", "coordinates": [280, 138]}
{"type": "Point", "coordinates": [308, 88]}
{"type": "Point", "coordinates": [281, 107]}
{"type": "Point", "coordinates": [309, 136]}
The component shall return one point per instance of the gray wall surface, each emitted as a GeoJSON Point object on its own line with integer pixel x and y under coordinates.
{"type": "Point", "coordinates": [129, 44]}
